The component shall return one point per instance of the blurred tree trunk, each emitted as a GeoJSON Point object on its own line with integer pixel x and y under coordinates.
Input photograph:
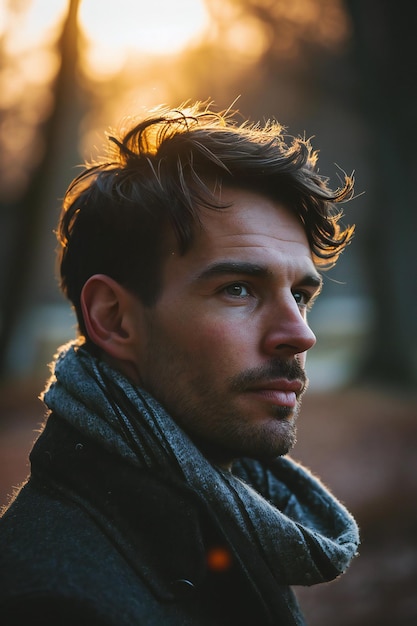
{"type": "Point", "coordinates": [385, 52]}
{"type": "Point", "coordinates": [28, 210]}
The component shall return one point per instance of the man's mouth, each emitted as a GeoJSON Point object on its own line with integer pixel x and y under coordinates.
{"type": "Point", "coordinates": [280, 392]}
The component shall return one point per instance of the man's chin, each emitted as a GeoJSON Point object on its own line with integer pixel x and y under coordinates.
{"type": "Point", "coordinates": [263, 447]}
{"type": "Point", "coordinates": [268, 454]}
{"type": "Point", "coordinates": [277, 439]}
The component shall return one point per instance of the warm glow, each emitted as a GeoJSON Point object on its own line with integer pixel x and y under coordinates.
{"type": "Point", "coordinates": [29, 24]}
{"type": "Point", "coordinates": [114, 29]}
{"type": "Point", "coordinates": [30, 60]}
{"type": "Point", "coordinates": [247, 38]}
{"type": "Point", "coordinates": [29, 30]}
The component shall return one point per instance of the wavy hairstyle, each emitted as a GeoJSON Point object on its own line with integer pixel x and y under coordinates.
{"type": "Point", "coordinates": [161, 172]}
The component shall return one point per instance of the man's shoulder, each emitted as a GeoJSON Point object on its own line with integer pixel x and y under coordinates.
{"type": "Point", "coordinates": [127, 543]}
{"type": "Point", "coordinates": [48, 542]}
{"type": "Point", "coordinates": [128, 549]}
{"type": "Point", "coordinates": [59, 562]}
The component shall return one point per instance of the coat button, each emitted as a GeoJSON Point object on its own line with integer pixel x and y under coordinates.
{"type": "Point", "coordinates": [182, 588]}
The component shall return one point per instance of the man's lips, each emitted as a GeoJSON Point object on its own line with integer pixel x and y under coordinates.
{"type": "Point", "coordinates": [281, 392]}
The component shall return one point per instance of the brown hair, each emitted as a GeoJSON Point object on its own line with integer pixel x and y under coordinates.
{"type": "Point", "coordinates": [161, 172]}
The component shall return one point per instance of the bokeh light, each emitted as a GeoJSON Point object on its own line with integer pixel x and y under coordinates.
{"type": "Point", "coordinates": [28, 33]}
{"type": "Point", "coordinates": [156, 27]}
{"type": "Point", "coordinates": [30, 23]}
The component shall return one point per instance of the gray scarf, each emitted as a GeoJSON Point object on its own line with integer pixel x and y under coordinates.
{"type": "Point", "coordinates": [299, 532]}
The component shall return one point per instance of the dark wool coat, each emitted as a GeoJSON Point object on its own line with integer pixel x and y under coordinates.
{"type": "Point", "coordinates": [92, 540]}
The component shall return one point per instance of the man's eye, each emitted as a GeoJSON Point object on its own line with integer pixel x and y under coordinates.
{"type": "Point", "coordinates": [237, 290]}
{"type": "Point", "coordinates": [301, 298]}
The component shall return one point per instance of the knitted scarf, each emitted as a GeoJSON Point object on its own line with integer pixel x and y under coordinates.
{"type": "Point", "coordinates": [282, 523]}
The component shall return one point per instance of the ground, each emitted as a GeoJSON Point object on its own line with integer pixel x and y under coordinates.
{"type": "Point", "coordinates": [362, 443]}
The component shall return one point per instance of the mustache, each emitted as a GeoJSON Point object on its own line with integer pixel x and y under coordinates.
{"type": "Point", "coordinates": [278, 368]}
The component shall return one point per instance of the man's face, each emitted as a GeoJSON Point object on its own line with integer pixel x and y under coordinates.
{"type": "Point", "coordinates": [223, 349]}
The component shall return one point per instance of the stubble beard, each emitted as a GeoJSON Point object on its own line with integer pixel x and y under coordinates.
{"type": "Point", "coordinates": [230, 436]}
{"type": "Point", "coordinates": [264, 442]}
{"type": "Point", "coordinates": [264, 445]}
{"type": "Point", "coordinates": [225, 432]}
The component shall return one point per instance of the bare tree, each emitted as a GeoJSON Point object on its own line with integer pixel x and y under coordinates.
{"type": "Point", "coordinates": [385, 53]}
{"type": "Point", "coordinates": [28, 209]}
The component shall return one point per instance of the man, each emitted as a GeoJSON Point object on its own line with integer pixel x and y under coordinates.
{"type": "Point", "coordinates": [160, 493]}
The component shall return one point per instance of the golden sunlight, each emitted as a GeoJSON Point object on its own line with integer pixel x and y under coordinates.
{"type": "Point", "coordinates": [29, 24]}
{"type": "Point", "coordinates": [28, 31]}
{"type": "Point", "coordinates": [150, 27]}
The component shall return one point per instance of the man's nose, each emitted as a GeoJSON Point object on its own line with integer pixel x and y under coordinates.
{"type": "Point", "coordinates": [287, 332]}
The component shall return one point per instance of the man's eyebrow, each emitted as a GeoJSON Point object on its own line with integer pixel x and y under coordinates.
{"type": "Point", "coordinates": [234, 267]}
{"type": "Point", "coordinates": [221, 268]}
{"type": "Point", "coordinates": [312, 280]}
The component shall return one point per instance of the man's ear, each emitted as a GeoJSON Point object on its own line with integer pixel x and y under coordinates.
{"type": "Point", "coordinates": [108, 315]}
